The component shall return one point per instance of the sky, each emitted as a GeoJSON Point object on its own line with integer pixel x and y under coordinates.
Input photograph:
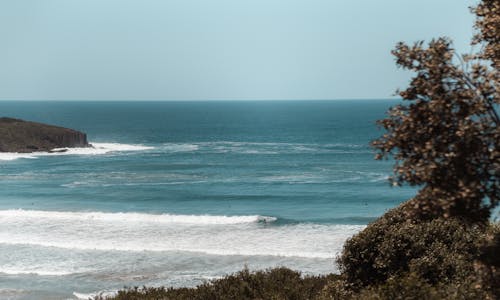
{"type": "Point", "coordinates": [215, 49]}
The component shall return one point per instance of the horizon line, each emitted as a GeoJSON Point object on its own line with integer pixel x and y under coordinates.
{"type": "Point", "coordinates": [196, 100]}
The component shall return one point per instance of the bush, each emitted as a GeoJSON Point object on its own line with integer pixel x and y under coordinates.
{"type": "Point", "coordinates": [336, 289]}
{"type": "Point", "coordinates": [413, 287]}
{"type": "Point", "coordinates": [279, 283]}
{"type": "Point", "coordinates": [438, 251]}
{"type": "Point", "coordinates": [489, 268]}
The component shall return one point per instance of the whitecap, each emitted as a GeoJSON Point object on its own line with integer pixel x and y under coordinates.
{"type": "Point", "coordinates": [133, 217]}
{"type": "Point", "coordinates": [95, 149]}
{"type": "Point", "coordinates": [13, 156]}
{"type": "Point", "coordinates": [172, 147]}
{"type": "Point", "coordinates": [261, 148]}
{"type": "Point", "coordinates": [28, 271]}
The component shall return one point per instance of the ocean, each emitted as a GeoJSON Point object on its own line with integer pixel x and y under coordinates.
{"type": "Point", "coordinates": [177, 193]}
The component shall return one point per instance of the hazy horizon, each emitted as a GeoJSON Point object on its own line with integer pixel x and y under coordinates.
{"type": "Point", "coordinates": [199, 100]}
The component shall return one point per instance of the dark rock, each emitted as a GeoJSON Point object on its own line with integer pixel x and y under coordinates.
{"type": "Point", "coordinates": [25, 137]}
{"type": "Point", "coordinates": [58, 150]}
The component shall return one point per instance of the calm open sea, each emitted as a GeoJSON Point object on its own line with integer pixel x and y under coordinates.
{"type": "Point", "coordinates": [175, 193]}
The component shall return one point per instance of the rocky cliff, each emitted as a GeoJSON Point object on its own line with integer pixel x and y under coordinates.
{"type": "Point", "coordinates": [24, 137]}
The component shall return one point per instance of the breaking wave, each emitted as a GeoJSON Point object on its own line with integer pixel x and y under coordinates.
{"type": "Point", "coordinates": [33, 272]}
{"type": "Point", "coordinates": [132, 217]}
{"type": "Point", "coordinates": [219, 147]}
{"type": "Point", "coordinates": [214, 235]}
{"type": "Point", "coordinates": [96, 149]}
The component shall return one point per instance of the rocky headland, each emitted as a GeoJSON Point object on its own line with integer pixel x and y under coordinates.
{"type": "Point", "coordinates": [25, 137]}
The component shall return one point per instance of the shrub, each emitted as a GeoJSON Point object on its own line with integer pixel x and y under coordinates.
{"type": "Point", "coordinates": [279, 283]}
{"type": "Point", "coordinates": [439, 250]}
{"type": "Point", "coordinates": [489, 266]}
{"type": "Point", "coordinates": [413, 287]}
{"type": "Point", "coordinates": [336, 289]}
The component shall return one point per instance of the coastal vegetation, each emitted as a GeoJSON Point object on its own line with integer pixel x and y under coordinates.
{"type": "Point", "coordinates": [442, 244]}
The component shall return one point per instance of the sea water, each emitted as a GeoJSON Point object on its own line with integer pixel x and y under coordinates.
{"type": "Point", "coordinates": [178, 193]}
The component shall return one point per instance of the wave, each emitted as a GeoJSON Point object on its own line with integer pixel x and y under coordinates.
{"type": "Point", "coordinates": [135, 217]}
{"type": "Point", "coordinates": [115, 147]}
{"type": "Point", "coordinates": [231, 250]}
{"type": "Point", "coordinates": [262, 148]}
{"type": "Point", "coordinates": [13, 156]}
{"type": "Point", "coordinates": [6, 293]}
{"type": "Point", "coordinates": [219, 147]}
{"type": "Point", "coordinates": [325, 176]}
{"type": "Point", "coordinates": [96, 149]}
{"type": "Point", "coordinates": [33, 272]}
{"type": "Point", "coordinates": [136, 232]}
{"type": "Point", "coordinates": [174, 147]}
{"type": "Point", "coordinates": [308, 176]}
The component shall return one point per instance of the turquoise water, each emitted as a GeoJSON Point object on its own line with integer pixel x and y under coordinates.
{"type": "Point", "coordinates": [175, 193]}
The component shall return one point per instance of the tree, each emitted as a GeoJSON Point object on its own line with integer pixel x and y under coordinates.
{"type": "Point", "coordinates": [446, 138]}
{"type": "Point", "coordinates": [488, 27]}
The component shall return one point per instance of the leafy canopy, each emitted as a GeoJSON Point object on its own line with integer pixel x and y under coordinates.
{"type": "Point", "coordinates": [446, 137]}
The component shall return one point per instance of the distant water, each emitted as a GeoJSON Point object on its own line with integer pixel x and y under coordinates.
{"type": "Point", "coordinates": [176, 193]}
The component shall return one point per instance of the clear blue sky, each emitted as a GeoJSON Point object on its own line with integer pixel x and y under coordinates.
{"type": "Point", "coordinates": [215, 49]}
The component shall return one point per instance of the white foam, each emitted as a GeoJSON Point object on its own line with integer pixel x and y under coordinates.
{"type": "Point", "coordinates": [119, 147]}
{"type": "Point", "coordinates": [28, 271]}
{"type": "Point", "coordinates": [265, 148]}
{"type": "Point", "coordinates": [96, 149]}
{"type": "Point", "coordinates": [249, 148]}
{"type": "Point", "coordinates": [324, 176]}
{"type": "Point", "coordinates": [132, 217]}
{"type": "Point", "coordinates": [13, 156]}
{"type": "Point", "coordinates": [217, 235]}
{"type": "Point", "coordinates": [294, 178]}
{"type": "Point", "coordinates": [173, 147]}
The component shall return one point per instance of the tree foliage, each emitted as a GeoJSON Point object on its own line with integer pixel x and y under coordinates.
{"type": "Point", "coordinates": [488, 26]}
{"type": "Point", "coordinates": [446, 137]}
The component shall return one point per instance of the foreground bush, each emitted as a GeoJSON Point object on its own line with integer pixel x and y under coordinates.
{"type": "Point", "coordinates": [279, 283]}
{"type": "Point", "coordinates": [412, 287]}
{"type": "Point", "coordinates": [438, 251]}
{"type": "Point", "coordinates": [400, 258]}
